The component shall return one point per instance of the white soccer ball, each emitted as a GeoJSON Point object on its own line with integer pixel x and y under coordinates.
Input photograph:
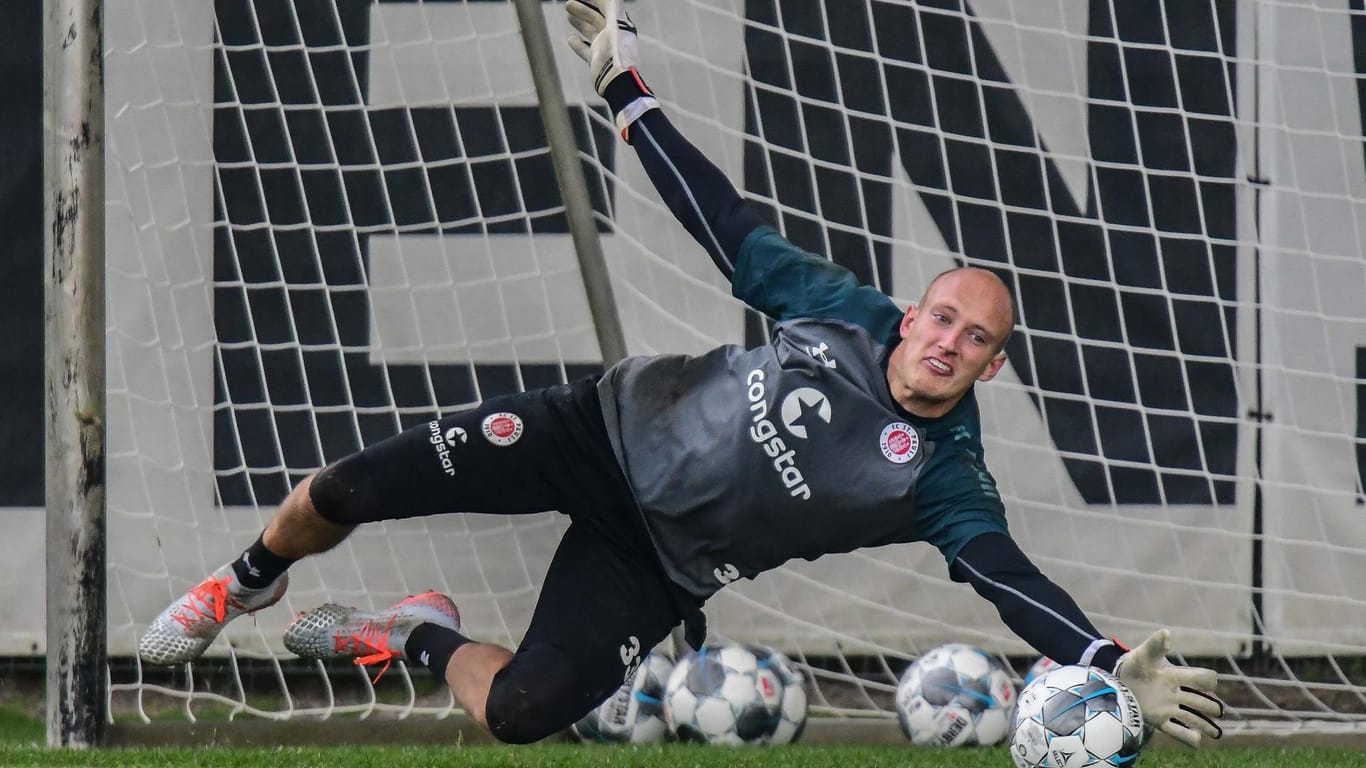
{"type": "Point", "coordinates": [955, 696]}
{"type": "Point", "coordinates": [635, 713]}
{"type": "Point", "coordinates": [1072, 717]}
{"type": "Point", "coordinates": [723, 694]}
{"type": "Point", "coordinates": [792, 710]}
{"type": "Point", "coordinates": [1039, 668]}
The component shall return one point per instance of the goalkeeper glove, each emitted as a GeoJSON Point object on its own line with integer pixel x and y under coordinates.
{"type": "Point", "coordinates": [605, 37]}
{"type": "Point", "coordinates": [1175, 700]}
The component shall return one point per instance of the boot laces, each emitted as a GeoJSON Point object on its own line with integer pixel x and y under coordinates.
{"type": "Point", "coordinates": [372, 640]}
{"type": "Point", "coordinates": [210, 598]}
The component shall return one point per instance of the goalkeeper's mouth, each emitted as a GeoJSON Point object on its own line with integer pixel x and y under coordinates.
{"type": "Point", "coordinates": [938, 367]}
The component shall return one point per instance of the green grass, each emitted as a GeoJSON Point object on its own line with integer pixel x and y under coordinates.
{"type": "Point", "coordinates": [22, 736]}
{"type": "Point", "coordinates": [669, 756]}
{"type": "Point", "coordinates": [19, 728]}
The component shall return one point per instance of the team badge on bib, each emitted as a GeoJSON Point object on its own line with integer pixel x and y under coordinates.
{"type": "Point", "coordinates": [502, 428]}
{"type": "Point", "coordinates": [899, 441]}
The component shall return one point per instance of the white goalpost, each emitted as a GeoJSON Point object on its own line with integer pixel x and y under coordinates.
{"type": "Point", "coordinates": [330, 220]}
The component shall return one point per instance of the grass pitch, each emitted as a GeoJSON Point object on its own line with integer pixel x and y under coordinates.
{"type": "Point", "coordinates": [22, 736]}
{"type": "Point", "coordinates": [666, 756]}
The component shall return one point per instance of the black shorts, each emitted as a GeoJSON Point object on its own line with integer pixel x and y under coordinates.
{"type": "Point", "coordinates": [606, 599]}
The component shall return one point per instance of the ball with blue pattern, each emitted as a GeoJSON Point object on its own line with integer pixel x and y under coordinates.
{"type": "Point", "coordinates": [793, 708]}
{"type": "Point", "coordinates": [634, 714]}
{"type": "Point", "coordinates": [1041, 666]}
{"type": "Point", "coordinates": [1076, 717]}
{"type": "Point", "coordinates": [733, 694]}
{"type": "Point", "coordinates": [955, 695]}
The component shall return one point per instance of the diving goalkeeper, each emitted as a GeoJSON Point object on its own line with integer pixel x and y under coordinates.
{"type": "Point", "coordinates": [856, 426]}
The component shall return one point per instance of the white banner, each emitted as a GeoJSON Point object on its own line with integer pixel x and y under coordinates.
{"type": "Point", "coordinates": [459, 298]}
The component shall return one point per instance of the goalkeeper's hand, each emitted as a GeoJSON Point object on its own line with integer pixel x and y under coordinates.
{"type": "Point", "coordinates": [604, 37]}
{"type": "Point", "coordinates": [1175, 700]}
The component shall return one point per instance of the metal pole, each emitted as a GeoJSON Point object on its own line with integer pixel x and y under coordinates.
{"type": "Point", "coordinates": [577, 204]}
{"type": "Point", "coordinates": [578, 207]}
{"type": "Point", "coordinates": [73, 317]}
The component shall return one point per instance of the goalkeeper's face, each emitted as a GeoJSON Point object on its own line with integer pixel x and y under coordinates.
{"type": "Point", "coordinates": [952, 339]}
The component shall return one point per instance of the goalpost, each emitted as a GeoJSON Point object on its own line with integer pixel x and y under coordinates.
{"type": "Point", "coordinates": [74, 381]}
{"type": "Point", "coordinates": [329, 220]}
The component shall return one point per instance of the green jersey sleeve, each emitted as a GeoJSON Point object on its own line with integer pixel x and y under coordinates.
{"type": "Point", "coordinates": [956, 499]}
{"type": "Point", "coordinates": [777, 278]}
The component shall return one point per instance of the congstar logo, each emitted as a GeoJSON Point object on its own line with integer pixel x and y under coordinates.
{"type": "Point", "coordinates": [800, 402]}
{"type": "Point", "coordinates": [800, 409]}
{"type": "Point", "coordinates": [443, 447]}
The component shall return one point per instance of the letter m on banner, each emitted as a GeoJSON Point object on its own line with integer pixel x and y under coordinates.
{"type": "Point", "coordinates": [1119, 242]}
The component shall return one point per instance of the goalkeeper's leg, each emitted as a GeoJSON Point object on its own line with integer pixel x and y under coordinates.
{"type": "Point", "coordinates": [604, 604]}
{"type": "Point", "coordinates": [255, 580]}
{"type": "Point", "coordinates": [507, 456]}
{"type": "Point", "coordinates": [601, 609]}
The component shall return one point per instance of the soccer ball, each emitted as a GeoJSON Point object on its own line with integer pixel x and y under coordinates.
{"type": "Point", "coordinates": [792, 711]}
{"type": "Point", "coordinates": [730, 694]}
{"type": "Point", "coordinates": [1072, 717]}
{"type": "Point", "coordinates": [1043, 665]}
{"type": "Point", "coordinates": [635, 713]}
{"type": "Point", "coordinates": [955, 696]}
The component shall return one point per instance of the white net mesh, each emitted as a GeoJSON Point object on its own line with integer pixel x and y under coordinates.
{"type": "Point", "coordinates": [332, 220]}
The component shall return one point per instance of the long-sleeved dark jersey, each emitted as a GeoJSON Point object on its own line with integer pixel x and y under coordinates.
{"type": "Point", "coordinates": [743, 459]}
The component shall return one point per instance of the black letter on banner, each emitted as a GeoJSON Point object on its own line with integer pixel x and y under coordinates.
{"type": "Point", "coordinates": [1131, 276]}
{"type": "Point", "coordinates": [291, 239]}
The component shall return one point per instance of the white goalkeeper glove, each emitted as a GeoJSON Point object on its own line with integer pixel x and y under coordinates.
{"type": "Point", "coordinates": [605, 37]}
{"type": "Point", "coordinates": [1175, 700]}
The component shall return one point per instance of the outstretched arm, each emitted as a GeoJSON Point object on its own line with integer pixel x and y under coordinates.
{"type": "Point", "coordinates": [696, 191]}
{"type": "Point", "coordinates": [1174, 699]}
{"type": "Point", "coordinates": [1035, 609]}
{"type": "Point", "coordinates": [766, 271]}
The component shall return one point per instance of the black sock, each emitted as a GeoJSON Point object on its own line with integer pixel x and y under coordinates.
{"type": "Point", "coordinates": [432, 645]}
{"type": "Point", "coordinates": [258, 566]}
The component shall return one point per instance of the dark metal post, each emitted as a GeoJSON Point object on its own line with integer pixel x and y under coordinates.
{"type": "Point", "coordinates": [578, 207]}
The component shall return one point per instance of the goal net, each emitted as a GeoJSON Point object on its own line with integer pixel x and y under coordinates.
{"type": "Point", "coordinates": [330, 220]}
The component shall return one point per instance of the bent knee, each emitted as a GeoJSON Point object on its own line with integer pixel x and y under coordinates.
{"type": "Point", "coordinates": [536, 695]}
{"type": "Point", "coordinates": [342, 492]}
{"type": "Point", "coordinates": [517, 728]}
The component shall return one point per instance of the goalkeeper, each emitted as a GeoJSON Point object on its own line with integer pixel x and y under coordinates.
{"type": "Point", "coordinates": [857, 426]}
